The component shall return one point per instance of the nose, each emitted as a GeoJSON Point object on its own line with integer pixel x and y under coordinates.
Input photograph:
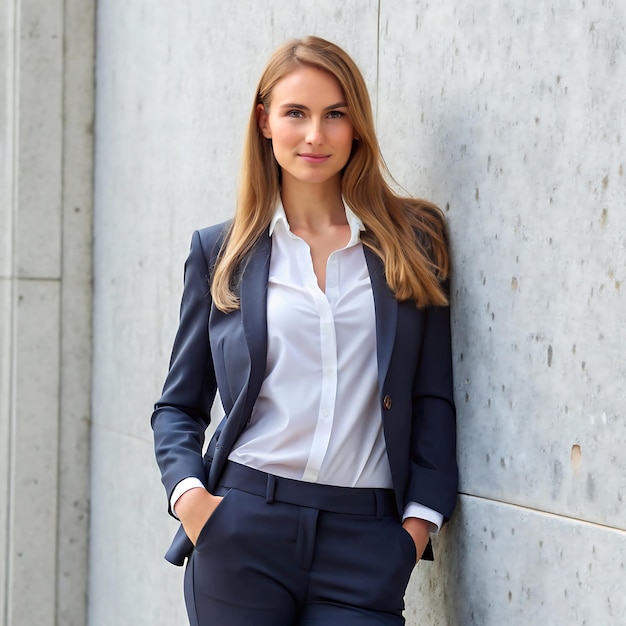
{"type": "Point", "coordinates": [314, 135]}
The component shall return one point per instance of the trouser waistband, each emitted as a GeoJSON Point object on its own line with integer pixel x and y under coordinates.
{"type": "Point", "coordinates": [352, 500]}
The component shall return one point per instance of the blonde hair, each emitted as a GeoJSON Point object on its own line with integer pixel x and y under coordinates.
{"type": "Point", "coordinates": [407, 234]}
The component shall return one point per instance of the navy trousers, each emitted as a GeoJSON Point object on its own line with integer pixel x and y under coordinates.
{"type": "Point", "coordinates": [279, 552]}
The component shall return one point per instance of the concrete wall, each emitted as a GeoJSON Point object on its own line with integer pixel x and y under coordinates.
{"type": "Point", "coordinates": [46, 116]}
{"type": "Point", "coordinates": [516, 131]}
{"type": "Point", "coordinates": [509, 115]}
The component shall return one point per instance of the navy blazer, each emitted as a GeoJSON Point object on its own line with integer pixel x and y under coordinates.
{"type": "Point", "coordinates": [227, 352]}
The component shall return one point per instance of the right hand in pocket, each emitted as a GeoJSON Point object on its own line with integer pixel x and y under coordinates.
{"type": "Point", "coordinates": [194, 508]}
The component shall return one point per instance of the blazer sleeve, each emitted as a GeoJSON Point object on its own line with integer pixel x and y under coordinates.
{"type": "Point", "coordinates": [433, 478]}
{"type": "Point", "coordinates": [182, 413]}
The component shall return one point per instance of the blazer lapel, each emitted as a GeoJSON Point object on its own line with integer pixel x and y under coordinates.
{"type": "Point", "coordinates": [254, 315]}
{"type": "Point", "coordinates": [253, 312]}
{"type": "Point", "coordinates": [386, 309]}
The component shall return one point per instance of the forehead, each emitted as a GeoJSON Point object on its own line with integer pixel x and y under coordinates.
{"type": "Point", "coordinates": [307, 83]}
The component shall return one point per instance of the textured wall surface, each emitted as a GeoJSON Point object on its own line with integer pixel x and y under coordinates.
{"type": "Point", "coordinates": [514, 113]}
{"type": "Point", "coordinates": [509, 116]}
{"type": "Point", "coordinates": [46, 115]}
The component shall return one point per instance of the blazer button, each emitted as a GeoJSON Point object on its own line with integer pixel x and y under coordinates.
{"type": "Point", "coordinates": [387, 402]}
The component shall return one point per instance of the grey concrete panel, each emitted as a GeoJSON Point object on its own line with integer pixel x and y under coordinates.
{"type": "Point", "coordinates": [502, 564]}
{"type": "Point", "coordinates": [76, 323]}
{"type": "Point", "coordinates": [39, 96]}
{"type": "Point", "coordinates": [34, 460]}
{"type": "Point", "coordinates": [130, 582]}
{"type": "Point", "coordinates": [508, 116]}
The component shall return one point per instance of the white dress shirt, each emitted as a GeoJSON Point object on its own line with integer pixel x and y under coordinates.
{"type": "Point", "coordinates": [317, 417]}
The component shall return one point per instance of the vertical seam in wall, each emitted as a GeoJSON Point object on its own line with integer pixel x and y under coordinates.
{"type": "Point", "coordinates": [13, 128]}
{"type": "Point", "coordinates": [60, 318]}
{"type": "Point", "coordinates": [377, 62]}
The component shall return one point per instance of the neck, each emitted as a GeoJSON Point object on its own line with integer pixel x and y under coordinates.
{"type": "Point", "coordinates": [312, 205]}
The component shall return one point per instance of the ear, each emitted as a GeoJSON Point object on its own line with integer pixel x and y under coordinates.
{"type": "Point", "coordinates": [262, 119]}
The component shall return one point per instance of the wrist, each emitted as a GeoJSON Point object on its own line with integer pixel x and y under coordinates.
{"type": "Point", "coordinates": [189, 500]}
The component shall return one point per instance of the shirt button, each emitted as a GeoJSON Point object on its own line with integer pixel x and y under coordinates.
{"type": "Point", "coordinates": [387, 402]}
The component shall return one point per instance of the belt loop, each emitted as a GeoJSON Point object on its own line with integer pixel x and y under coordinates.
{"type": "Point", "coordinates": [380, 504]}
{"type": "Point", "coordinates": [271, 486]}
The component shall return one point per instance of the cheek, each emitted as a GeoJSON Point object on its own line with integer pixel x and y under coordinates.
{"type": "Point", "coordinates": [345, 138]}
{"type": "Point", "coordinates": [284, 134]}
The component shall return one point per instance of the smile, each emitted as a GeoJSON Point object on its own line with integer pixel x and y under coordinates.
{"type": "Point", "coordinates": [314, 158]}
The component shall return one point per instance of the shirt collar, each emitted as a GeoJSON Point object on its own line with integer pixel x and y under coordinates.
{"type": "Point", "coordinates": [355, 223]}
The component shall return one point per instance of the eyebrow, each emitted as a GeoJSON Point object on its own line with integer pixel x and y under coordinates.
{"type": "Point", "coordinates": [294, 105]}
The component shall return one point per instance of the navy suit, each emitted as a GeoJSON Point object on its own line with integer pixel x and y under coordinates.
{"type": "Point", "coordinates": [214, 350]}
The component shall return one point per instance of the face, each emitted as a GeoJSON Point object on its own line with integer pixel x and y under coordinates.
{"type": "Point", "coordinates": [309, 126]}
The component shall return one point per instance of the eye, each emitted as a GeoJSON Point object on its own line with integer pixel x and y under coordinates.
{"type": "Point", "coordinates": [335, 115]}
{"type": "Point", "coordinates": [294, 113]}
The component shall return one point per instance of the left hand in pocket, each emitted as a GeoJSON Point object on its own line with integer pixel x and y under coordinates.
{"type": "Point", "coordinates": [419, 529]}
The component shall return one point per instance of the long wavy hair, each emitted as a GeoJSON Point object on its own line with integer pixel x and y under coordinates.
{"type": "Point", "coordinates": [407, 234]}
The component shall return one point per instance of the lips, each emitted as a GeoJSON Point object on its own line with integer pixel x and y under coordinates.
{"type": "Point", "coordinates": [314, 158]}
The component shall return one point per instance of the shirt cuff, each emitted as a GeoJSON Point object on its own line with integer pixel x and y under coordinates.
{"type": "Point", "coordinates": [413, 509]}
{"type": "Point", "coordinates": [182, 487]}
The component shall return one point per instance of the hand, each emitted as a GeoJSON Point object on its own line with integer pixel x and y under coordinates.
{"type": "Point", "coordinates": [194, 508]}
{"type": "Point", "coordinates": [419, 529]}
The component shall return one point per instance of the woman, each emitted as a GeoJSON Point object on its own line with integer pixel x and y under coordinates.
{"type": "Point", "coordinates": [326, 331]}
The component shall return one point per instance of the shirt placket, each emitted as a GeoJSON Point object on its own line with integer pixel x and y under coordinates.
{"type": "Point", "coordinates": [328, 356]}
